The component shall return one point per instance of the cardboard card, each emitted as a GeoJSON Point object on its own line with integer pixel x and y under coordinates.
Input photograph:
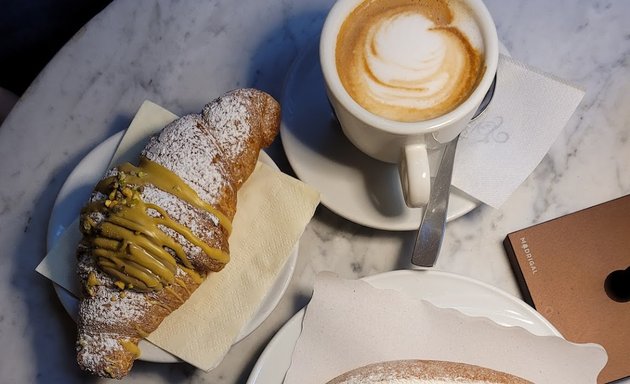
{"type": "Point", "coordinates": [575, 270]}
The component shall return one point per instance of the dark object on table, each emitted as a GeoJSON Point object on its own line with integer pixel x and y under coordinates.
{"type": "Point", "coordinates": [31, 33]}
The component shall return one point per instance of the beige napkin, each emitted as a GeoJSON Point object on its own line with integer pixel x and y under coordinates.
{"type": "Point", "coordinates": [349, 323]}
{"type": "Point", "coordinates": [272, 212]}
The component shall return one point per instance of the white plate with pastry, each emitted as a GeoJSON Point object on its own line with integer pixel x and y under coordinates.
{"type": "Point", "coordinates": [75, 193]}
{"type": "Point", "coordinates": [445, 290]}
{"type": "Point", "coordinates": [352, 184]}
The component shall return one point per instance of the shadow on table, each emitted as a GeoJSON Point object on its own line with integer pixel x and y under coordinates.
{"type": "Point", "coordinates": [273, 57]}
{"type": "Point", "coordinates": [49, 329]}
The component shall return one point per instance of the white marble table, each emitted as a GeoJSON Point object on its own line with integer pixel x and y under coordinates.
{"type": "Point", "coordinates": [180, 53]}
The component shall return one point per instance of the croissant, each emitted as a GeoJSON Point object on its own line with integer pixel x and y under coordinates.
{"type": "Point", "coordinates": [152, 232]}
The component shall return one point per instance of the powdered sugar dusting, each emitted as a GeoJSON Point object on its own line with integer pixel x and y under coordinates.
{"type": "Point", "coordinates": [384, 374]}
{"type": "Point", "coordinates": [178, 209]}
{"type": "Point", "coordinates": [185, 149]}
{"type": "Point", "coordinates": [93, 348]}
{"type": "Point", "coordinates": [106, 306]}
{"type": "Point", "coordinates": [102, 315]}
{"type": "Point", "coordinates": [228, 116]}
{"type": "Point", "coordinates": [394, 380]}
{"type": "Point", "coordinates": [183, 213]}
{"type": "Point", "coordinates": [424, 372]}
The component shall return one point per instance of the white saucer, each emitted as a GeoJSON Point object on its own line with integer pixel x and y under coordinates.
{"type": "Point", "coordinates": [443, 289]}
{"type": "Point", "coordinates": [352, 184]}
{"type": "Point", "coordinates": [76, 191]}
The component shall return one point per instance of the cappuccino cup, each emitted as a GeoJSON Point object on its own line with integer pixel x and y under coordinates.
{"type": "Point", "coordinates": [406, 76]}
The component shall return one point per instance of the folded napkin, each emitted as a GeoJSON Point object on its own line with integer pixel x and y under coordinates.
{"type": "Point", "coordinates": [349, 323]}
{"type": "Point", "coordinates": [272, 212]}
{"type": "Point", "coordinates": [500, 149]}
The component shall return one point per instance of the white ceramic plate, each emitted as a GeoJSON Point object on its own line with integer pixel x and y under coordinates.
{"type": "Point", "coordinates": [443, 289]}
{"type": "Point", "coordinates": [352, 184]}
{"type": "Point", "coordinates": [76, 191]}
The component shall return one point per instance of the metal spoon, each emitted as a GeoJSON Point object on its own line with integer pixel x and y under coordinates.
{"type": "Point", "coordinates": [431, 232]}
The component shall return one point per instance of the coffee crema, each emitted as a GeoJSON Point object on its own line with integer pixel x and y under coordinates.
{"type": "Point", "coordinates": [409, 60]}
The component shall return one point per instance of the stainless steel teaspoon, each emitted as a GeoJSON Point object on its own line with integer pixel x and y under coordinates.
{"type": "Point", "coordinates": [431, 232]}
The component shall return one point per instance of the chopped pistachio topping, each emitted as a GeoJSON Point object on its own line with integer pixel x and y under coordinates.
{"type": "Point", "coordinates": [119, 284]}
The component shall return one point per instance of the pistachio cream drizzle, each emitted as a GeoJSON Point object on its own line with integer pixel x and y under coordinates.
{"type": "Point", "coordinates": [130, 347]}
{"type": "Point", "coordinates": [128, 243]}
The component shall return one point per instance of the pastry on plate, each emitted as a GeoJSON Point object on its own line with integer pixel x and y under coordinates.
{"type": "Point", "coordinates": [153, 231]}
{"type": "Point", "coordinates": [424, 372]}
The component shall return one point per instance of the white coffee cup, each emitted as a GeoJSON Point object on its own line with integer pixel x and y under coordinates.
{"type": "Point", "coordinates": [398, 142]}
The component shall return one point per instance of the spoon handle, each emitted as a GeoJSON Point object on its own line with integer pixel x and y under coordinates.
{"type": "Point", "coordinates": [431, 232]}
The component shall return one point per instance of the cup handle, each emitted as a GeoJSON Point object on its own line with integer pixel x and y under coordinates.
{"type": "Point", "coordinates": [415, 177]}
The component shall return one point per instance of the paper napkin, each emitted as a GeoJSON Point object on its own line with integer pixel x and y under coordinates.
{"type": "Point", "coordinates": [349, 324]}
{"type": "Point", "coordinates": [272, 212]}
{"type": "Point", "coordinates": [274, 208]}
{"type": "Point", "coordinates": [500, 149]}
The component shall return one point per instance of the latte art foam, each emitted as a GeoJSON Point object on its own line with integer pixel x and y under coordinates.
{"type": "Point", "coordinates": [407, 60]}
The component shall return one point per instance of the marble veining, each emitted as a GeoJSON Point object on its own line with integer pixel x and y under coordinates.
{"type": "Point", "coordinates": [182, 53]}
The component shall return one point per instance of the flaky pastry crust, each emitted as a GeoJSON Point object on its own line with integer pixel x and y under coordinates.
{"type": "Point", "coordinates": [213, 153]}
